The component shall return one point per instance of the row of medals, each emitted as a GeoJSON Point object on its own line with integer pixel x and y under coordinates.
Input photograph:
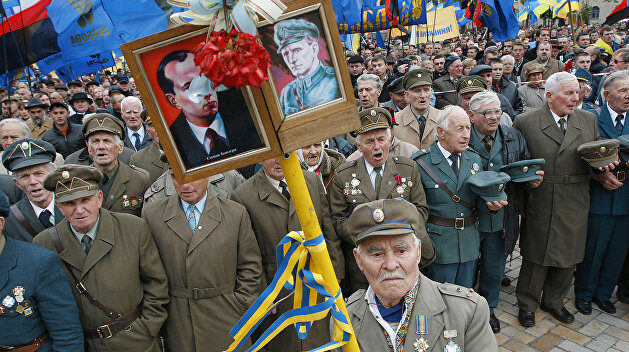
{"type": "Point", "coordinates": [404, 182]}
{"type": "Point", "coordinates": [421, 345]}
{"type": "Point", "coordinates": [23, 306]}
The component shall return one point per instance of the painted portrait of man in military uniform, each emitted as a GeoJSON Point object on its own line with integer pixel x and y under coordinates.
{"type": "Point", "coordinates": [301, 72]}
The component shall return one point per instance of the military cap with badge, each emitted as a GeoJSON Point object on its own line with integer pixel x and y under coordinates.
{"type": "Point", "coordinates": [70, 182]}
{"type": "Point", "coordinates": [417, 77]}
{"type": "Point", "coordinates": [582, 74]}
{"type": "Point", "coordinates": [27, 152]}
{"type": "Point", "coordinates": [383, 217]}
{"type": "Point", "coordinates": [523, 170]}
{"type": "Point", "coordinates": [601, 153]}
{"type": "Point", "coordinates": [469, 84]}
{"type": "Point", "coordinates": [103, 122]}
{"type": "Point", "coordinates": [373, 119]}
{"type": "Point", "coordinates": [489, 185]}
{"type": "Point", "coordinates": [293, 30]}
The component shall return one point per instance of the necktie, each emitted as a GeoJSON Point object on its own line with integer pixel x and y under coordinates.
{"type": "Point", "coordinates": [487, 143]}
{"type": "Point", "coordinates": [44, 218]}
{"type": "Point", "coordinates": [378, 171]}
{"type": "Point", "coordinates": [192, 218]}
{"type": "Point", "coordinates": [138, 143]}
{"type": "Point", "coordinates": [285, 190]}
{"type": "Point", "coordinates": [86, 243]}
{"type": "Point", "coordinates": [619, 124]}
{"type": "Point", "coordinates": [217, 143]}
{"type": "Point", "coordinates": [562, 125]}
{"type": "Point", "coordinates": [422, 125]}
{"type": "Point", "coordinates": [455, 163]}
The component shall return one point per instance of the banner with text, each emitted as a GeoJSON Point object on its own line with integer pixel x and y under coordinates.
{"type": "Point", "coordinates": [442, 25]}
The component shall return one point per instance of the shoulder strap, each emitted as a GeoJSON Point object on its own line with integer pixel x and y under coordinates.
{"type": "Point", "coordinates": [443, 186]}
{"type": "Point", "coordinates": [23, 221]}
{"type": "Point", "coordinates": [54, 236]}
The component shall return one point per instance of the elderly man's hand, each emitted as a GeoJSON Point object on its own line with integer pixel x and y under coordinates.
{"type": "Point", "coordinates": [536, 183]}
{"type": "Point", "coordinates": [609, 181]}
{"type": "Point", "coordinates": [496, 205]}
{"type": "Point", "coordinates": [609, 167]}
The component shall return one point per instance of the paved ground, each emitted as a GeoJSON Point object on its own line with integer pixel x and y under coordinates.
{"type": "Point", "coordinates": [596, 332]}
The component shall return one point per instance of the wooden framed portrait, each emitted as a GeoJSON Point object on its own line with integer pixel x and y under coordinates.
{"type": "Point", "coordinates": [204, 129]}
{"type": "Point", "coordinates": [309, 92]}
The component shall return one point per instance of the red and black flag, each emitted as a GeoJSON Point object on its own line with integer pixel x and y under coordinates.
{"type": "Point", "coordinates": [620, 12]}
{"type": "Point", "coordinates": [392, 11]}
{"type": "Point", "coordinates": [27, 37]}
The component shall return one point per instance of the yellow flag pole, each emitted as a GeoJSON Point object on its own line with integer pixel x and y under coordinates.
{"type": "Point", "coordinates": [296, 183]}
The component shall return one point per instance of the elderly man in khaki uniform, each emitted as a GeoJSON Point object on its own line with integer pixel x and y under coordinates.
{"type": "Point", "coordinates": [375, 175]}
{"type": "Point", "coordinates": [416, 122]}
{"type": "Point", "coordinates": [123, 186]}
{"type": "Point", "coordinates": [112, 263]}
{"type": "Point", "coordinates": [212, 261]}
{"type": "Point", "coordinates": [401, 308]}
{"type": "Point", "coordinates": [268, 201]}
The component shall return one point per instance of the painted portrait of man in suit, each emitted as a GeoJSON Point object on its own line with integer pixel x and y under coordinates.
{"type": "Point", "coordinates": [211, 125]}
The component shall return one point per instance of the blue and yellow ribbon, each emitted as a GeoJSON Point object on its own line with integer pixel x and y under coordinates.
{"type": "Point", "coordinates": [295, 271]}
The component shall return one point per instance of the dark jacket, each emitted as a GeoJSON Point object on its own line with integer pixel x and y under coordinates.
{"type": "Point", "coordinates": [146, 141]}
{"type": "Point", "coordinates": [68, 144]}
{"type": "Point", "coordinates": [14, 229]}
{"type": "Point", "coordinates": [510, 91]}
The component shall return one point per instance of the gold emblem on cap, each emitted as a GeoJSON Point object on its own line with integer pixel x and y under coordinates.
{"type": "Point", "coordinates": [378, 215]}
{"type": "Point", "coordinates": [24, 145]}
{"type": "Point", "coordinates": [469, 82]}
{"type": "Point", "coordinates": [373, 113]}
{"type": "Point", "coordinates": [525, 169]}
{"type": "Point", "coordinates": [65, 175]}
{"type": "Point", "coordinates": [500, 186]}
{"type": "Point", "coordinates": [603, 149]}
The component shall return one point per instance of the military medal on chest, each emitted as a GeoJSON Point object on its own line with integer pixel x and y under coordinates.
{"type": "Point", "coordinates": [125, 201]}
{"type": "Point", "coordinates": [451, 346]}
{"type": "Point", "coordinates": [355, 183]}
{"type": "Point", "coordinates": [421, 345]}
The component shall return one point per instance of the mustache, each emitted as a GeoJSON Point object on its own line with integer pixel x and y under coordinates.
{"type": "Point", "coordinates": [386, 275]}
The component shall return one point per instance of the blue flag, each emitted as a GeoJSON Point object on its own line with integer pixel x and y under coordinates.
{"type": "Point", "coordinates": [348, 11]}
{"type": "Point", "coordinates": [136, 18]}
{"type": "Point", "coordinates": [66, 73]}
{"type": "Point", "coordinates": [93, 63]}
{"type": "Point", "coordinates": [51, 63]}
{"type": "Point", "coordinates": [380, 41]}
{"type": "Point", "coordinates": [500, 19]}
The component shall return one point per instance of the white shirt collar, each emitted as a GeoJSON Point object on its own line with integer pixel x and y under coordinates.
{"type": "Point", "coordinates": [556, 117]}
{"type": "Point", "coordinates": [275, 183]}
{"type": "Point", "coordinates": [370, 168]}
{"type": "Point", "coordinates": [445, 153]}
{"type": "Point", "coordinates": [613, 115]}
{"type": "Point", "coordinates": [199, 132]}
{"type": "Point", "coordinates": [130, 133]}
{"type": "Point", "coordinates": [50, 208]}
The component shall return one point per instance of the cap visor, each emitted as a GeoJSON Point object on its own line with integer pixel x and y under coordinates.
{"type": "Point", "coordinates": [526, 178]}
{"type": "Point", "coordinates": [603, 162]}
{"type": "Point", "coordinates": [498, 198]}
{"type": "Point", "coordinates": [75, 195]}
{"type": "Point", "coordinates": [29, 162]}
{"type": "Point", "coordinates": [385, 229]}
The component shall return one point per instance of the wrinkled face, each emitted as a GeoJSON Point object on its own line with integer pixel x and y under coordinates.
{"type": "Point", "coordinates": [507, 68]}
{"type": "Point", "coordinates": [23, 93]}
{"type": "Point", "coordinates": [584, 61]}
{"type": "Point", "coordinates": [390, 264]}
{"type": "Point", "coordinates": [464, 100]}
{"type": "Point", "coordinates": [312, 154]}
{"type": "Point", "coordinates": [301, 57]}
{"type": "Point", "coordinates": [59, 116]}
{"type": "Point", "coordinates": [80, 105]}
{"type": "Point", "coordinates": [82, 213]}
{"type": "Point", "coordinates": [116, 101]}
{"type": "Point", "coordinates": [63, 92]}
{"type": "Point", "coordinates": [131, 115]}
{"type": "Point", "coordinates": [618, 96]}
{"type": "Point", "coordinates": [565, 99]}
{"type": "Point", "coordinates": [455, 69]}
{"type": "Point", "coordinates": [618, 64]}
{"type": "Point", "coordinates": [367, 53]}
{"type": "Point", "coordinates": [37, 113]}
{"type": "Point", "coordinates": [182, 74]}
{"type": "Point", "coordinates": [45, 99]}
{"type": "Point", "coordinates": [419, 97]}
{"type": "Point", "coordinates": [584, 91]}
{"type": "Point", "coordinates": [273, 169]}
{"type": "Point", "coordinates": [379, 68]}
{"type": "Point", "coordinates": [374, 145]}
{"type": "Point", "coordinates": [584, 41]}
{"type": "Point", "coordinates": [438, 64]}
{"type": "Point", "coordinates": [487, 118]}
{"type": "Point", "coordinates": [368, 93]}
{"type": "Point", "coordinates": [399, 99]}
{"type": "Point", "coordinates": [496, 71]}
{"type": "Point", "coordinates": [543, 52]}
{"type": "Point", "coordinates": [517, 52]}
{"type": "Point", "coordinates": [191, 192]}
{"type": "Point", "coordinates": [356, 68]}
{"type": "Point", "coordinates": [456, 138]}
{"type": "Point", "coordinates": [10, 133]}
{"type": "Point", "coordinates": [103, 148]}
{"type": "Point", "coordinates": [30, 180]}
{"type": "Point", "coordinates": [56, 97]}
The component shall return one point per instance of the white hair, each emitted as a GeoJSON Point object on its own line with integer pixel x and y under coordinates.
{"type": "Point", "coordinates": [483, 98]}
{"type": "Point", "coordinates": [443, 118]}
{"type": "Point", "coordinates": [51, 167]}
{"type": "Point", "coordinates": [116, 139]}
{"type": "Point", "coordinates": [610, 81]}
{"type": "Point", "coordinates": [130, 99]}
{"type": "Point", "coordinates": [416, 243]}
{"type": "Point", "coordinates": [556, 79]}
{"type": "Point", "coordinates": [370, 77]}
{"type": "Point", "coordinates": [18, 121]}
{"type": "Point", "coordinates": [389, 135]}
{"type": "Point", "coordinates": [508, 59]}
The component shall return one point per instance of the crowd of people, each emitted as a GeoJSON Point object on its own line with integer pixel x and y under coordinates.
{"type": "Point", "coordinates": [467, 148]}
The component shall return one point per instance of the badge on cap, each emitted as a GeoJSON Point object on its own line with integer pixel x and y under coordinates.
{"type": "Point", "coordinates": [24, 145]}
{"type": "Point", "coordinates": [525, 169]}
{"type": "Point", "coordinates": [500, 186]}
{"type": "Point", "coordinates": [65, 175]}
{"type": "Point", "coordinates": [419, 75]}
{"type": "Point", "coordinates": [373, 112]}
{"type": "Point", "coordinates": [603, 149]}
{"type": "Point", "coordinates": [469, 82]}
{"type": "Point", "coordinates": [378, 215]}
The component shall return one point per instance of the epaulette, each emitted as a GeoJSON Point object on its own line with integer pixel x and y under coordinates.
{"type": "Point", "coordinates": [139, 169]}
{"type": "Point", "coordinates": [345, 165]}
{"type": "Point", "coordinates": [355, 297]}
{"type": "Point", "coordinates": [458, 291]}
{"type": "Point", "coordinates": [403, 160]}
{"type": "Point", "coordinates": [159, 184]}
{"type": "Point", "coordinates": [216, 178]}
{"type": "Point", "coordinates": [420, 153]}
{"type": "Point", "coordinates": [470, 149]}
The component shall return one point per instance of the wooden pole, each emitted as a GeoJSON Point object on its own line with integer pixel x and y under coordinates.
{"type": "Point", "coordinates": [574, 40]}
{"type": "Point", "coordinates": [308, 220]}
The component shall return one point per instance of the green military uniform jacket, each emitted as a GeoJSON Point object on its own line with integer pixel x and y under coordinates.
{"type": "Point", "coordinates": [220, 258]}
{"type": "Point", "coordinates": [221, 185]}
{"type": "Point", "coordinates": [127, 191]}
{"type": "Point", "coordinates": [555, 226]}
{"type": "Point", "coordinates": [451, 245]}
{"type": "Point", "coordinates": [272, 217]}
{"type": "Point", "coordinates": [122, 270]}
{"type": "Point", "coordinates": [343, 202]}
{"type": "Point", "coordinates": [149, 160]}
{"type": "Point", "coordinates": [447, 306]}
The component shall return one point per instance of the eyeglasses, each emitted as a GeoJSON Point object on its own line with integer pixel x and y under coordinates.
{"type": "Point", "coordinates": [488, 114]}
